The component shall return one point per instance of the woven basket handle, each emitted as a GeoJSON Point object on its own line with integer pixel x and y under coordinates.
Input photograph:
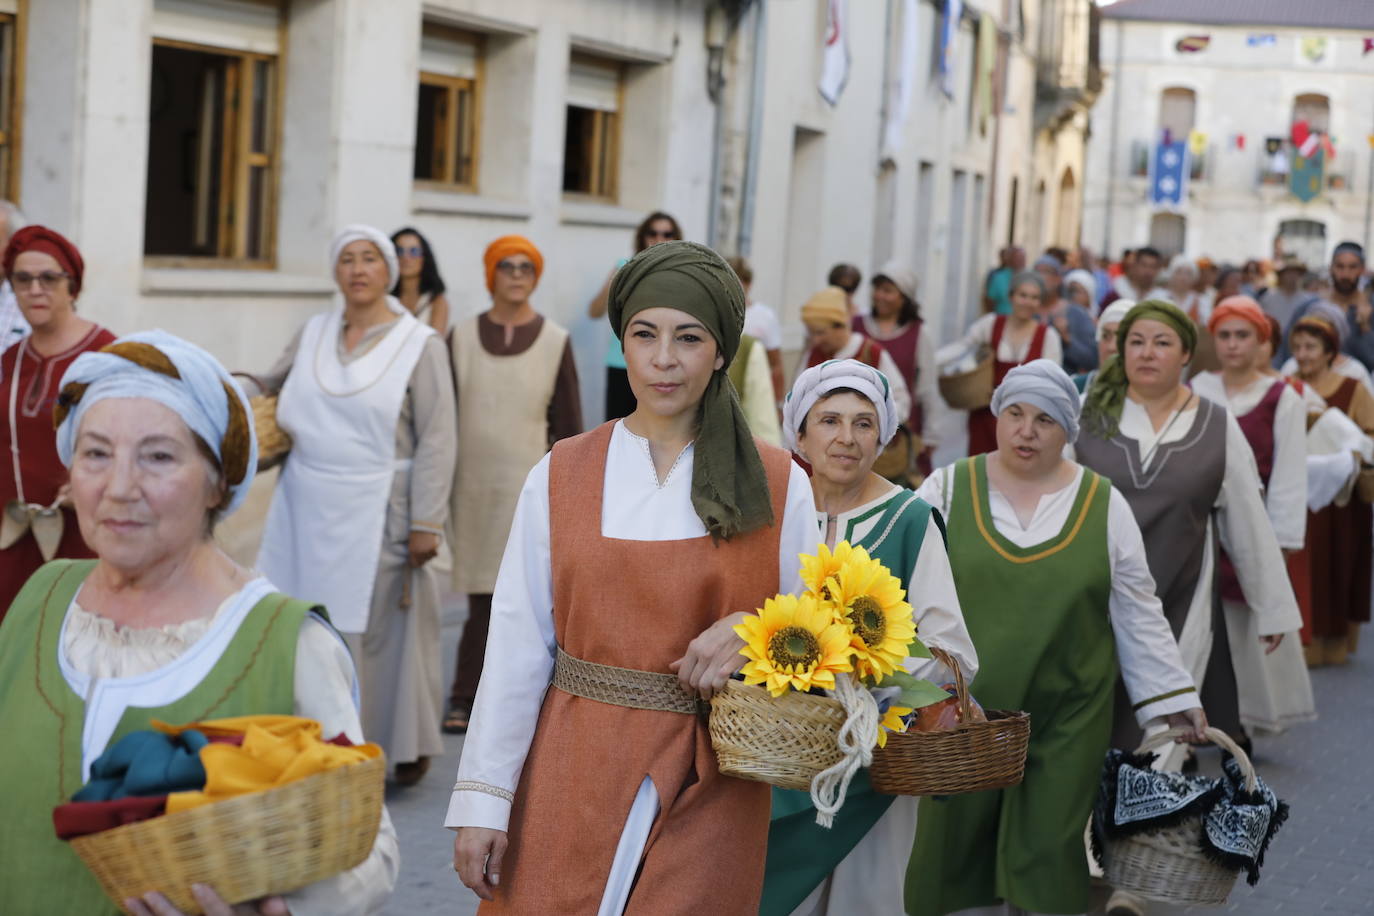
{"type": "Point", "coordinates": [960, 686]}
{"type": "Point", "coordinates": [1216, 736]}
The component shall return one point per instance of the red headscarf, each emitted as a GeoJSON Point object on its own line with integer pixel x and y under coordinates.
{"type": "Point", "coordinates": [1240, 307]}
{"type": "Point", "coordinates": [506, 246]}
{"type": "Point", "coordinates": [50, 242]}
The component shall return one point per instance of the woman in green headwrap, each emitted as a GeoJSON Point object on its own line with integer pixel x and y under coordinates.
{"type": "Point", "coordinates": [1187, 471]}
{"type": "Point", "coordinates": [635, 549]}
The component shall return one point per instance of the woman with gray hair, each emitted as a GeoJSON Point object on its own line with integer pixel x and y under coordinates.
{"type": "Point", "coordinates": [1040, 546]}
{"type": "Point", "coordinates": [1012, 339]}
{"type": "Point", "coordinates": [838, 417]}
{"type": "Point", "coordinates": [367, 397]}
{"type": "Point", "coordinates": [162, 625]}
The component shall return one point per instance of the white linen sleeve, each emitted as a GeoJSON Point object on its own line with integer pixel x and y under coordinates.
{"type": "Point", "coordinates": [325, 688]}
{"type": "Point", "coordinates": [1146, 651]}
{"type": "Point", "coordinates": [939, 618]}
{"type": "Point", "coordinates": [937, 490]}
{"type": "Point", "coordinates": [1286, 499]}
{"type": "Point", "coordinates": [1053, 349]}
{"type": "Point", "coordinates": [1249, 539]}
{"type": "Point", "coordinates": [901, 394]}
{"type": "Point", "coordinates": [521, 645]}
{"type": "Point", "coordinates": [979, 334]}
{"type": "Point", "coordinates": [927, 393]}
{"type": "Point", "coordinates": [801, 532]}
{"type": "Point", "coordinates": [757, 400]}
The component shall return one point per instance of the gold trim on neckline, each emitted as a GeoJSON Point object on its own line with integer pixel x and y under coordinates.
{"type": "Point", "coordinates": [1065, 541]}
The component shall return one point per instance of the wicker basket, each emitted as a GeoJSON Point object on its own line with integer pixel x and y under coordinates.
{"type": "Point", "coordinates": [247, 847]}
{"type": "Point", "coordinates": [1168, 864]}
{"type": "Point", "coordinates": [783, 741]}
{"type": "Point", "coordinates": [972, 389]}
{"type": "Point", "coordinates": [971, 758]}
{"type": "Point", "coordinates": [273, 442]}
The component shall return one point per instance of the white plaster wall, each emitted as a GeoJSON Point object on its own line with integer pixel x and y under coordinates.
{"type": "Point", "coordinates": [1239, 90]}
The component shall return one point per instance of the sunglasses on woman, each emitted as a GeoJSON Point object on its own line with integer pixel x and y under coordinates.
{"type": "Point", "coordinates": [410, 251]}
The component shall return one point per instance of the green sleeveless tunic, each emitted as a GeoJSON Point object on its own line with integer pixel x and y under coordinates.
{"type": "Point", "coordinates": [39, 874]}
{"type": "Point", "coordinates": [1039, 617]}
{"type": "Point", "coordinates": [800, 853]}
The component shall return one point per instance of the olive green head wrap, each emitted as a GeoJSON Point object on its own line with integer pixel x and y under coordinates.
{"type": "Point", "coordinates": [729, 485]}
{"type": "Point", "coordinates": [1106, 398]}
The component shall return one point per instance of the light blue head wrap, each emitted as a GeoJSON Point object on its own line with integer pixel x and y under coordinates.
{"type": "Point", "coordinates": [818, 381]}
{"type": "Point", "coordinates": [200, 396]}
{"type": "Point", "coordinates": [1041, 383]}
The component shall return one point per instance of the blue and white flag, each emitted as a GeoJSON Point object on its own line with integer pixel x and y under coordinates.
{"type": "Point", "coordinates": [949, 39]}
{"type": "Point", "coordinates": [1169, 174]}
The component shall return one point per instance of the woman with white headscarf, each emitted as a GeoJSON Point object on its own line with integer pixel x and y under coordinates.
{"type": "Point", "coordinates": [838, 417]}
{"type": "Point", "coordinates": [161, 625]}
{"type": "Point", "coordinates": [1041, 546]}
{"type": "Point", "coordinates": [366, 395]}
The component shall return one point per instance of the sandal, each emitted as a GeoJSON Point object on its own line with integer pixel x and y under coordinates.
{"type": "Point", "coordinates": [456, 719]}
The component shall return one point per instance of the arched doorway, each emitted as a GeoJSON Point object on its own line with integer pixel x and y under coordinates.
{"type": "Point", "coordinates": [1168, 233]}
{"type": "Point", "coordinates": [1066, 212]}
{"type": "Point", "coordinates": [1305, 238]}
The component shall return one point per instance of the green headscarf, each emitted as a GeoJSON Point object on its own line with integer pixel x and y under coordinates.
{"type": "Point", "coordinates": [1106, 398]}
{"type": "Point", "coordinates": [729, 485]}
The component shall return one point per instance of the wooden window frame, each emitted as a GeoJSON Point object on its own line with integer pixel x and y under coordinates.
{"type": "Point", "coordinates": [444, 132]}
{"type": "Point", "coordinates": [11, 134]}
{"type": "Point", "coordinates": [606, 130]}
{"type": "Point", "coordinates": [239, 159]}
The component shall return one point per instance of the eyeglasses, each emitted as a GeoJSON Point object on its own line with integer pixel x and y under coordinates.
{"type": "Point", "coordinates": [410, 251]}
{"type": "Point", "coordinates": [48, 279]}
{"type": "Point", "coordinates": [516, 270]}
{"type": "Point", "coordinates": [666, 234]}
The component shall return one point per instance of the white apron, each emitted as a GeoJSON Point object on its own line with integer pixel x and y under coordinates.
{"type": "Point", "coordinates": [324, 531]}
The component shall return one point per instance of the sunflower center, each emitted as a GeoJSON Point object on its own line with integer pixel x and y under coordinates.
{"type": "Point", "coordinates": [794, 646]}
{"type": "Point", "coordinates": [866, 617]}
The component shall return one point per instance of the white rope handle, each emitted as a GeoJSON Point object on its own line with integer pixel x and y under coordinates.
{"type": "Point", "coordinates": [857, 736]}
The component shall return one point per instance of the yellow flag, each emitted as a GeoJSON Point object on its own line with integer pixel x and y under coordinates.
{"type": "Point", "coordinates": [1197, 142]}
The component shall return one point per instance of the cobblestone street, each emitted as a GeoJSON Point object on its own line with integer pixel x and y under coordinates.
{"type": "Point", "coordinates": [1321, 862]}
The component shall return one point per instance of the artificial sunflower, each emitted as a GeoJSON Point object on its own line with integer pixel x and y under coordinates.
{"type": "Point", "coordinates": [892, 722]}
{"type": "Point", "coordinates": [872, 603]}
{"type": "Point", "coordinates": [817, 570]}
{"type": "Point", "coordinates": [794, 642]}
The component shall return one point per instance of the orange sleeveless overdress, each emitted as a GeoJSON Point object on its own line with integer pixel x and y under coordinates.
{"type": "Point", "coordinates": [636, 604]}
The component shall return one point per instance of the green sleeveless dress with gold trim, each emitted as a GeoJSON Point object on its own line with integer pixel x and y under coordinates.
{"type": "Point", "coordinates": [800, 853]}
{"type": "Point", "coordinates": [1039, 617]}
{"type": "Point", "coordinates": [40, 874]}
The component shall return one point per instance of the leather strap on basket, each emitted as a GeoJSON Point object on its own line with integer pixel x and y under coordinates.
{"type": "Point", "coordinates": [960, 685]}
{"type": "Point", "coordinates": [624, 686]}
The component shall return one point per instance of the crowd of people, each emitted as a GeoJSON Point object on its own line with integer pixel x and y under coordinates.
{"type": "Point", "coordinates": [1163, 520]}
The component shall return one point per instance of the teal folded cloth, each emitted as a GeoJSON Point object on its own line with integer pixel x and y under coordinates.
{"type": "Point", "coordinates": [146, 763]}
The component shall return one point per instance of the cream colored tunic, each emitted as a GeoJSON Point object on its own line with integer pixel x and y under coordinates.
{"type": "Point", "coordinates": [503, 431]}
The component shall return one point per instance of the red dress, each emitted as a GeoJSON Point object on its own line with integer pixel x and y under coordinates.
{"type": "Point", "coordinates": [40, 470]}
{"type": "Point", "coordinates": [982, 425]}
{"type": "Point", "coordinates": [903, 347]}
{"type": "Point", "coordinates": [1340, 548]}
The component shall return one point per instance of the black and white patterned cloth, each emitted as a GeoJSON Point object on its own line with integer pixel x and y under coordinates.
{"type": "Point", "coordinates": [1237, 826]}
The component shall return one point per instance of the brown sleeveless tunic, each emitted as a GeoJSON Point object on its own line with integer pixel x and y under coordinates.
{"type": "Point", "coordinates": [1172, 502]}
{"type": "Point", "coordinates": [636, 604]}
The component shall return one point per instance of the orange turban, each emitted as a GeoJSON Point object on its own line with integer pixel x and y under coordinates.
{"type": "Point", "coordinates": [1240, 307]}
{"type": "Point", "coordinates": [506, 246]}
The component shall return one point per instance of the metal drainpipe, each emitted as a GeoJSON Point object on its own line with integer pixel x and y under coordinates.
{"type": "Point", "coordinates": [717, 41]}
{"type": "Point", "coordinates": [1112, 173]}
{"type": "Point", "coordinates": [751, 162]}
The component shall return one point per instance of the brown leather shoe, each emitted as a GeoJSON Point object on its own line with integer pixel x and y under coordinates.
{"type": "Point", "coordinates": [408, 774]}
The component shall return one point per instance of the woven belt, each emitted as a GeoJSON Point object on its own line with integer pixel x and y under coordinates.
{"type": "Point", "coordinates": [624, 686]}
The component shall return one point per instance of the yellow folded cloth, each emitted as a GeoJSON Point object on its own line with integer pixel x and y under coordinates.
{"type": "Point", "coordinates": [276, 750]}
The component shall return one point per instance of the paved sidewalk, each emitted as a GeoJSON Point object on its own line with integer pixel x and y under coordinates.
{"type": "Point", "coordinates": [1322, 861]}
